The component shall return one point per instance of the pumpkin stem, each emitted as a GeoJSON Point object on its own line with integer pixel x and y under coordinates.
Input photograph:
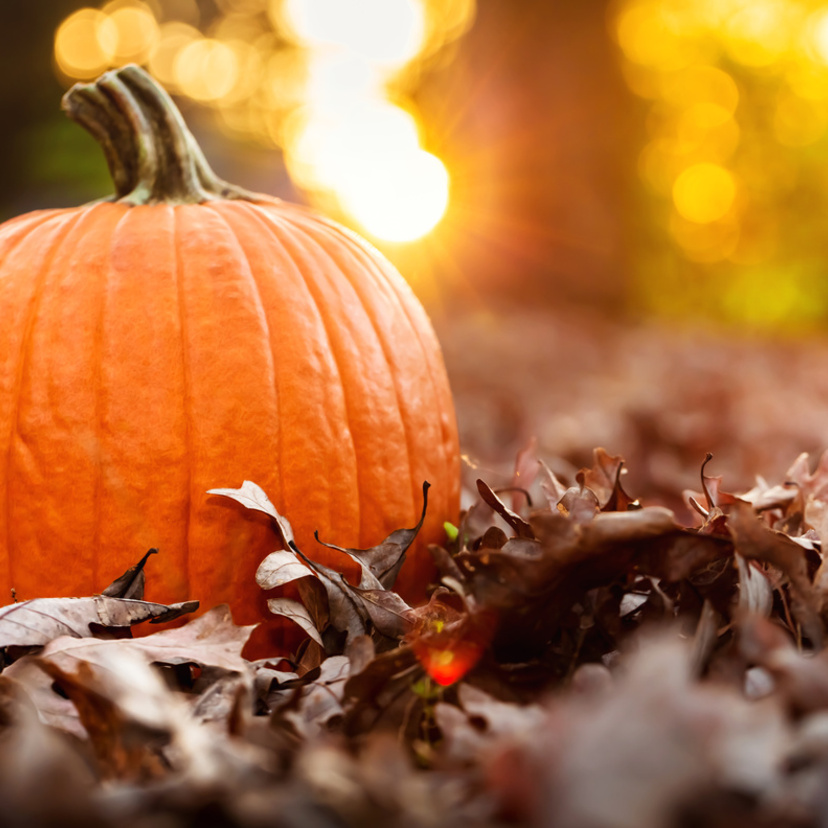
{"type": "Point", "coordinates": [152, 155]}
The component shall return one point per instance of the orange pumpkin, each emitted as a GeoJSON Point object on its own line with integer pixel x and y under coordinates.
{"type": "Point", "coordinates": [185, 335]}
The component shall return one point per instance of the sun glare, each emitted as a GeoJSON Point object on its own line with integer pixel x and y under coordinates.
{"type": "Point", "coordinates": [398, 197]}
{"type": "Point", "coordinates": [388, 32]}
{"type": "Point", "coordinates": [313, 77]}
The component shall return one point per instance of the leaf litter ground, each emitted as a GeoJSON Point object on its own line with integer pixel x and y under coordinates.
{"type": "Point", "coordinates": [589, 656]}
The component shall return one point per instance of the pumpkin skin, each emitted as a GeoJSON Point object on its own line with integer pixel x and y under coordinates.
{"type": "Point", "coordinates": [154, 348]}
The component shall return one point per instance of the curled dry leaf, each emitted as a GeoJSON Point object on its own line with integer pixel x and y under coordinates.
{"type": "Point", "coordinates": [39, 621]}
{"type": "Point", "coordinates": [552, 488]}
{"type": "Point", "coordinates": [131, 583]}
{"type": "Point", "coordinates": [295, 610]}
{"type": "Point", "coordinates": [521, 528]}
{"type": "Point", "coordinates": [755, 591]}
{"type": "Point", "coordinates": [381, 564]}
{"type": "Point", "coordinates": [343, 610]}
{"type": "Point", "coordinates": [254, 497]}
{"type": "Point", "coordinates": [754, 540]}
{"type": "Point", "coordinates": [280, 568]}
{"type": "Point", "coordinates": [389, 614]}
{"type": "Point", "coordinates": [604, 480]}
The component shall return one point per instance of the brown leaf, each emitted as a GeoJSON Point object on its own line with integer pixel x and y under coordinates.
{"type": "Point", "coordinates": [551, 486]}
{"type": "Point", "coordinates": [387, 611]}
{"type": "Point", "coordinates": [38, 621]}
{"type": "Point", "coordinates": [525, 472]}
{"type": "Point", "coordinates": [253, 497]}
{"type": "Point", "coordinates": [320, 701]}
{"type": "Point", "coordinates": [280, 568]}
{"type": "Point", "coordinates": [381, 564]}
{"type": "Point", "coordinates": [518, 525]}
{"type": "Point", "coordinates": [754, 540]}
{"type": "Point", "coordinates": [755, 591]}
{"type": "Point", "coordinates": [226, 703]}
{"type": "Point", "coordinates": [211, 640]}
{"type": "Point", "coordinates": [579, 503]}
{"type": "Point", "coordinates": [288, 608]}
{"type": "Point", "coordinates": [648, 539]}
{"type": "Point", "coordinates": [345, 614]}
{"type": "Point", "coordinates": [125, 709]}
{"type": "Point", "coordinates": [604, 479]}
{"type": "Point", "coordinates": [131, 583]}
{"type": "Point", "coordinates": [812, 485]}
{"type": "Point", "coordinates": [376, 692]}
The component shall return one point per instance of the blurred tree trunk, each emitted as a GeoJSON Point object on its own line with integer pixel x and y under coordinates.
{"type": "Point", "coordinates": [538, 126]}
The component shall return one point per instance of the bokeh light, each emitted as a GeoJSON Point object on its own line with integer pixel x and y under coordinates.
{"type": "Point", "coordinates": [173, 38]}
{"type": "Point", "coordinates": [206, 70]}
{"type": "Point", "coordinates": [324, 81]}
{"type": "Point", "coordinates": [735, 102]}
{"type": "Point", "coordinates": [137, 31]}
{"type": "Point", "coordinates": [704, 193]}
{"type": "Point", "coordinates": [85, 43]}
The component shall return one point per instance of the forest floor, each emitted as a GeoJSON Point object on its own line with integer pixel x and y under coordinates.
{"type": "Point", "coordinates": [659, 395]}
{"type": "Point", "coordinates": [589, 660]}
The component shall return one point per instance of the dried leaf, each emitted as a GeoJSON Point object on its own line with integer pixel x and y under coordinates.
{"type": "Point", "coordinates": [124, 707]}
{"type": "Point", "coordinates": [525, 472]}
{"type": "Point", "coordinates": [296, 611]}
{"type": "Point", "coordinates": [755, 591]}
{"type": "Point", "coordinates": [344, 613]}
{"type": "Point", "coordinates": [579, 503]}
{"type": "Point", "coordinates": [211, 640]}
{"type": "Point", "coordinates": [520, 527]}
{"type": "Point", "coordinates": [45, 780]}
{"type": "Point", "coordinates": [387, 611]}
{"type": "Point", "coordinates": [604, 479]}
{"type": "Point", "coordinates": [253, 497]}
{"type": "Point", "coordinates": [319, 701]}
{"type": "Point", "coordinates": [131, 583]}
{"type": "Point", "coordinates": [551, 486]}
{"type": "Point", "coordinates": [753, 540]}
{"type": "Point", "coordinates": [371, 694]}
{"type": "Point", "coordinates": [40, 620]}
{"type": "Point", "coordinates": [280, 568]}
{"type": "Point", "coordinates": [381, 564]}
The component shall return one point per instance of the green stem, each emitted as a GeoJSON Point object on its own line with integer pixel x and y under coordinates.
{"type": "Point", "coordinates": [152, 155]}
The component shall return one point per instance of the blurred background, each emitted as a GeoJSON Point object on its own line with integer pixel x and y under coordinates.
{"type": "Point", "coordinates": [612, 210]}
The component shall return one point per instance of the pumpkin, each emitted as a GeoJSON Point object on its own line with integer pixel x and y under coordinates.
{"type": "Point", "coordinates": [185, 334]}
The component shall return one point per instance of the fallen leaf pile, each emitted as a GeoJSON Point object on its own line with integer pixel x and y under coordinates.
{"type": "Point", "coordinates": [584, 659]}
{"type": "Point", "coordinates": [662, 394]}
